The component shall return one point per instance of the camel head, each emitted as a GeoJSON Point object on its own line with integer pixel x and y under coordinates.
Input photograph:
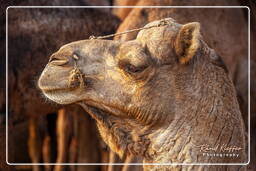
{"type": "Point", "coordinates": [134, 89]}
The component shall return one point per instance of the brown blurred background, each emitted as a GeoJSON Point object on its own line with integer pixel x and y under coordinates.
{"type": "Point", "coordinates": [41, 131]}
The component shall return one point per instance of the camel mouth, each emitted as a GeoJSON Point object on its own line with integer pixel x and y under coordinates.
{"type": "Point", "coordinates": [62, 96]}
{"type": "Point", "coordinates": [53, 89]}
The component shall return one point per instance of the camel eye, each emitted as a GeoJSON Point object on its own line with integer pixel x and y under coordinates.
{"type": "Point", "coordinates": [129, 66]}
{"type": "Point", "coordinates": [133, 69]}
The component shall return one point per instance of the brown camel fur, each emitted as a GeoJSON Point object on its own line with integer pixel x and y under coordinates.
{"type": "Point", "coordinates": [163, 96]}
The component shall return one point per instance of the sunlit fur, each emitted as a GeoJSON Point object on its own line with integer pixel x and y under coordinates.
{"type": "Point", "coordinates": [152, 97]}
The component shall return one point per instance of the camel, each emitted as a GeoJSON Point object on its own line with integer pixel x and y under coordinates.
{"type": "Point", "coordinates": [165, 96]}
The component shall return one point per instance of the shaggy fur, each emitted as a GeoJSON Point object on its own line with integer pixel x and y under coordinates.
{"type": "Point", "coordinates": [147, 102]}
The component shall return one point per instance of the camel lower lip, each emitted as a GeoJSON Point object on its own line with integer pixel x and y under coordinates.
{"type": "Point", "coordinates": [58, 96]}
{"type": "Point", "coordinates": [53, 89]}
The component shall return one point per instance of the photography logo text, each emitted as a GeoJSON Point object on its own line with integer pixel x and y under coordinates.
{"type": "Point", "coordinates": [219, 150]}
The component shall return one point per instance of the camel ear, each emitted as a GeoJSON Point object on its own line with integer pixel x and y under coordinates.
{"type": "Point", "coordinates": [187, 41]}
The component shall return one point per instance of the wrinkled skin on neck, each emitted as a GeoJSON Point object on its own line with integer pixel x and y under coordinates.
{"type": "Point", "coordinates": [160, 96]}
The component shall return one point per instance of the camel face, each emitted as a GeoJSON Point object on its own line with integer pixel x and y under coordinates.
{"type": "Point", "coordinates": [108, 74]}
{"type": "Point", "coordinates": [117, 77]}
{"type": "Point", "coordinates": [139, 91]}
{"type": "Point", "coordinates": [133, 80]}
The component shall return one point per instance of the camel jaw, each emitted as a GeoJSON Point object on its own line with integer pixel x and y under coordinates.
{"type": "Point", "coordinates": [95, 109]}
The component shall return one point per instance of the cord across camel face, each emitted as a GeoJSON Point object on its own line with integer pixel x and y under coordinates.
{"type": "Point", "coordinates": [159, 96]}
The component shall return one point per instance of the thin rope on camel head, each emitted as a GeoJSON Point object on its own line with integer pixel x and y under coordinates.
{"type": "Point", "coordinates": [162, 22]}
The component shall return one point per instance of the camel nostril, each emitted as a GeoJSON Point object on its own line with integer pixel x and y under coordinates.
{"type": "Point", "coordinates": [52, 58]}
{"type": "Point", "coordinates": [55, 60]}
